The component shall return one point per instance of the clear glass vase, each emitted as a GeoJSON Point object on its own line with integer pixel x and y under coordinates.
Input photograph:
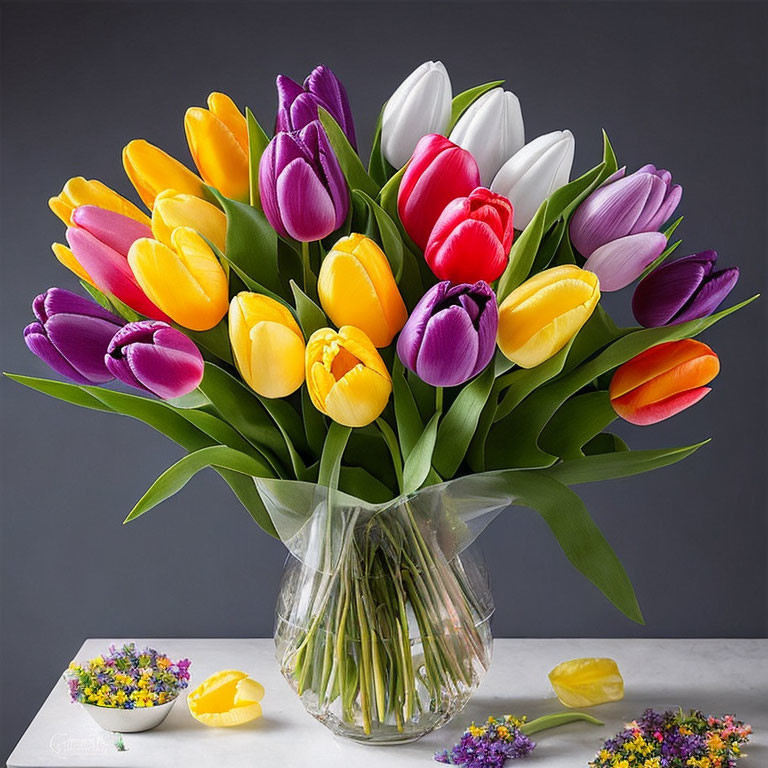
{"type": "Point", "coordinates": [383, 615]}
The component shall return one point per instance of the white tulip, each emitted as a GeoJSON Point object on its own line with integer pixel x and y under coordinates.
{"type": "Point", "coordinates": [491, 130]}
{"type": "Point", "coordinates": [420, 105]}
{"type": "Point", "coordinates": [530, 176]}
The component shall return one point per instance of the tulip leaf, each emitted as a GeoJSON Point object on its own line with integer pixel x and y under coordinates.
{"type": "Point", "coordinates": [522, 255]}
{"type": "Point", "coordinates": [311, 317]}
{"type": "Point", "coordinates": [69, 393]}
{"type": "Point", "coordinates": [352, 167]}
{"type": "Point", "coordinates": [609, 160]}
{"type": "Point", "coordinates": [257, 143]}
{"type": "Point", "coordinates": [566, 199]}
{"type": "Point", "coordinates": [215, 340]}
{"type": "Point", "coordinates": [576, 422]}
{"type": "Point", "coordinates": [578, 535]}
{"type": "Point", "coordinates": [379, 168]}
{"type": "Point", "coordinates": [394, 449]}
{"type": "Point", "coordinates": [193, 399]}
{"type": "Point", "coordinates": [605, 442]}
{"type": "Point", "coordinates": [598, 332]}
{"type": "Point", "coordinates": [457, 428]}
{"type": "Point", "coordinates": [112, 304]}
{"type": "Point", "coordinates": [668, 232]}
{"type": "Point", "coordinates": [291, 428]}
{"type": "Point", "coordinates": [387, 234]}
{"type": "Point", "coordinates": [363, 485]}
{"type": "Point", "coordinates": [314, 423]}
{"type": "Point", "coordinates": [548, 247]}
{"type": "Point", "coordinates": [179, 474]}
{"type": "Point", "coordinates": [463, 100]}
{"type": "Point", "coordinates": [419, 460]}
{"type": "Point", "coordinates": [333, 450]}
{"type": "Point", "coordinates": [610, 466]}
{"type": "Point", "coordinates": [409, 423]}
{"type": "Point", "coordinates": [388, 201]}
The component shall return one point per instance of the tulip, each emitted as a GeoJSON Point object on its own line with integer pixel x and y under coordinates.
{"type": "Point", "coordinates": [622, 261]}
{"type": "Point", "coordinates": [184, 280]}
{"type": "Point", "coordinates": [152, 171]}
{"type": "Point", "coordinates": [346, 377]}
{"type": "Point", "coordinates": [100, 241]}
{"type": "Point", "coordinates": [154, 357]}
{"type": "Point", "coordinates": [356, 287]}
{"type": "Point", "coordinates": [173, 209]}
{"type": "Point", "coordinates": [67, 258]}
{"type": "Point", "coordinates": [421, 105]}
{"type": "Point", "coordinates": [79, 191]}
{"type": "Point", "coordinates": [491, 129]}
{"type": "Point", "coordinates": [72, 335]}
{"type": "Point", "coordinates": [297, 105]}
{"type": "Point", "coordinates": [543, 314]}
{"type": "Point", "coordinates": [218, 142]}
{"type": "Point", "coordinates": [302, 188]}
{"type": "Point", "coordinates": [531, 175]}
{"type": "Point", "coordinates": [624, 205]}
{"type": "Point", "coordinates": [451, 334]}
{"type": "Point", "coordinates": [438, 172]}
{"type": "Point", "coordinates": [682, 290]}
{"type": "Point", "coordinates": [471, 239]}
{"type": "Point", "coordinates": [267, 344]}
{"type": "Point", "coordinates": [663, 381]}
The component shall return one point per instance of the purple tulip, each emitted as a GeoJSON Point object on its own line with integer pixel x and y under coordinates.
{"type": "Point", "coordinates": [685, 289]}
{"type": "Point", "coordinates": [451, 334]}
{"type": "Point", "coordinates": [624, 205]}
{"type": "Point", "coordinates": [622, 261]}
{"type": "Point", "coordinates": [302, 188]}
{"type": "Point", "coordinates": [153, 356]}
{"type": "Point", "coordinates": [72, 335]}
{"type": "Point", "coordinates": [297, 105]}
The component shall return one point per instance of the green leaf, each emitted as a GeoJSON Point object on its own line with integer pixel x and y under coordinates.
{"type": "Point", "coordinates": [291, 428]}
{"type": "Point", "coordinates": [576, 422]}
{"type": "Point", "coordinates": [419, 460]}
{"type": "Point", "coordinates": [354, 171]}
{"type": "Point", "coordinates": [215, 340]}
{"type": "Point", "coordinates": [333, 450]}
{"type": "Point", "coordinates": [548, 247]}
{"type": "Point", "coordinates": [257, 143]}
{"type": "Point", "coordinates": [605, 442]}
{"type": "Point", "coordinates": [522, 254]}
{"type": "Point", "coordinates": [193, 399]}
{"type": "Point", "coordinates": [409, 423]}
{"type": "Point", "coordinates": [363, 485]}
{"type": "Point", "coordinates": [314, 423]}
{"type": "Point", "coordinates": [245, 489]}
{"type": "Point", "coordinates": [179, 474]}
{"type": "Point", "coordinates": [69, 393]}
{"type": "Point", "coordinates": [386, 233]}
{"type": "Point", "coordinates": [563, 201]}
{"type": "Point", "coordinates": [378, 167]}
{"type": "Point", "coordinates": [391, 440]}
{"type": "Point", "coordinates": [311, 317]}
{"type": "Point", "coordinates": [463, 100]}
{"type": "Point", "coordinates": [457, 428]}
{"type": "Point", "coordinates": [558, 718]}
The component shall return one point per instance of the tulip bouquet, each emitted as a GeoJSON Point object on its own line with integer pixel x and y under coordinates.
{"type": "Point", "coordinates": [379, 358]}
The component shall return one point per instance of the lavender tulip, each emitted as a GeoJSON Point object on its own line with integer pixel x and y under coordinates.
{"type": "Point", "coordinates": [624, 205]}
{"type": "Point", "coordinates": [297, 105]}
{"type": "Point", "coordinates": [302, 188]}
{"type": "Point", "coordinates": [72, 335]}
{"type": "Point", "coordinates": [154, 357]}
{"type": "Point", "coordinates": [451, 334]}
{"type": "Point", "coordinates": [622, 261]}
{"type": "Point", "coordinates": [685, 289]}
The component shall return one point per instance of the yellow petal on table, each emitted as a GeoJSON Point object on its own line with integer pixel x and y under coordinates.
{"type": "Point", "coordinates": [225, 699]}
{"type": "Point", "coordinates": [586, 682]}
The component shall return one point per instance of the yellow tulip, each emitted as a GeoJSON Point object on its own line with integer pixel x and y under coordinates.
{"type": "Point", "coordinates": [543, 314]}
{"type": "Point", "coordinates": [185, 281]}
{"type": "Point", "coordinates": [225, 699]}
{"type": "Point", "coordinates": [152, 171]}
{"type": "Point", "coordinates": [173, 209]}
{"type": "Point", "coordinates": [67, 258]}
{"type": "Point", "coordinates": [356, 287]}
{"type": "Point", "coordinates": [346, 377]}
{"type": "Point", "coordinates": [267, 344]}
{"type": "Point", "coordinates": [218, 142]}
{"type": "Point", "coordinates": [79, 191]}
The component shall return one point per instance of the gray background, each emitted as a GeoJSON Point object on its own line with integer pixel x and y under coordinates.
{"type": "Point", "coordinates": [681, 85]}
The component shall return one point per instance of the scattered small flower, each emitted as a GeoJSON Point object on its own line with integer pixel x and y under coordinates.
{"type": "Point", "coordinates": [489, 745]}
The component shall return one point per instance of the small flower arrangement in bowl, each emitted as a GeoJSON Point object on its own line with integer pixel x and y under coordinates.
{"type": "Point", "coordinates": [128, 690]}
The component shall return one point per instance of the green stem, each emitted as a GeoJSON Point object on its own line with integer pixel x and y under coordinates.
{"type": "Point", "coordinates": [439, 399]}
{"type": "Point", "coordinates": [559, 718]}
{"type": "Point", "coordinates": [391, 440]}
{"type": "Point", "coordinates": [306, 268]}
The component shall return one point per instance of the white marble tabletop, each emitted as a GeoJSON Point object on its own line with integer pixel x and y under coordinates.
{"type": "Point", "coordinates": [717, 676]}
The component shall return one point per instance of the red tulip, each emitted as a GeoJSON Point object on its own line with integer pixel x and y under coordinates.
{"type": "Point", "coordinates": [472, 238]}
{"type": "Point", "coordinates": [439, 171]}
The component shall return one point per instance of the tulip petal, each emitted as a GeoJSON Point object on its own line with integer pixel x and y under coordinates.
{"type": "Point", "coordinates": [40, 345]}
{"type": "Point", "coordinates": [57, 300]}
{"type": "Point", "coordinates": [306, 208]}
{"type": "Point", "coordinates": [277, 360]}
{"type": "Point", "coordinates": [471, 252]}
{"type": "Point", "coordinates": [113, 229]}
{"type": "Point", "coordinates": [409, 341]}
{"type": "Point", "coordinates": [325, 86]}
{"type": "Point", "coordinates": [451, 328]}
{"type": "Point", "coordinates": [711, 294]}
{"type": "Point", "coordinates": [358, 398]}
{"type": "Point", "coordinates": [175, 210]}
{"type": "Point", "coordinates": [226, 110]}
{"type": "Point", "coordinates": [83, 342]}
{"type": "Point", "coordinates": [661, 410]}
{"type": "Point", "coordinates": [622, 261]}
{"type": "Point", "coordinates": [653, 205]}
{"type": "Point", "coordinates": [79, 191]}
{"type": "Point", "coordinates": [65, 256]}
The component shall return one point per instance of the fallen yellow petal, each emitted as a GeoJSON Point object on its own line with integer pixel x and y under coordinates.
{"type": "Point", "coordinates": [225, 699]}
{"type": "Point", "coordinates": [587, 682]}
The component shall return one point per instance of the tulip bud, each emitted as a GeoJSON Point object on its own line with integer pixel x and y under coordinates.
{"type": "Point", "coordinates": [663, 381]}
{"type": "Point", "coordinates": [100, 241]}
{"type": "Point", "coordinates": [297, 105]}
{"type": "Point", "coordinates": [356, 287]}
{"type": "Point", "coordinates": [491, 129]}
{"type": "Point", "coordinates": [173, 210]}
{"type": "Point", "coordinates": [471, 239]}
{"type": "Point", "coordinates": [531, 175]}
{"type": "Point", "coordinates": [451, 334]}
{"type": "Point", "coordinates": [421, 105]}
{"type": "Point", "coordinates": [79, 191]}
{"type": "Point", "coordinates": [152, 171]}
{"type": "Point", "coordinates": [154, 357]}
{"type": "Point", "coordinates": [624, 205]}
{"type": "Point", "coordinates": [267, 344]}
{"type": "Point", "coordinates": [72, 335]}
{"type": "Point", "coordinates": [682, 290]}
{"type": "Point", "coordinates": [346, 377]}
{"type": "Point", "coordinates": [301, 185]}
{"type": "Point", "coordinates": [543, 314]}
{"type": "Point", "coordinates": [218, 142]}
{"type": "Point", "coordinates": [622, 261]}
{"type": "Point", "coordinates": [438, 172]}
{"type": "Point", "coordinates": [184, 280]}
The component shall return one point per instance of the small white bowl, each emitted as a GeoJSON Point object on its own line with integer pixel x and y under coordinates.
{"type": "Point", "coordinates": [129, 720]}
